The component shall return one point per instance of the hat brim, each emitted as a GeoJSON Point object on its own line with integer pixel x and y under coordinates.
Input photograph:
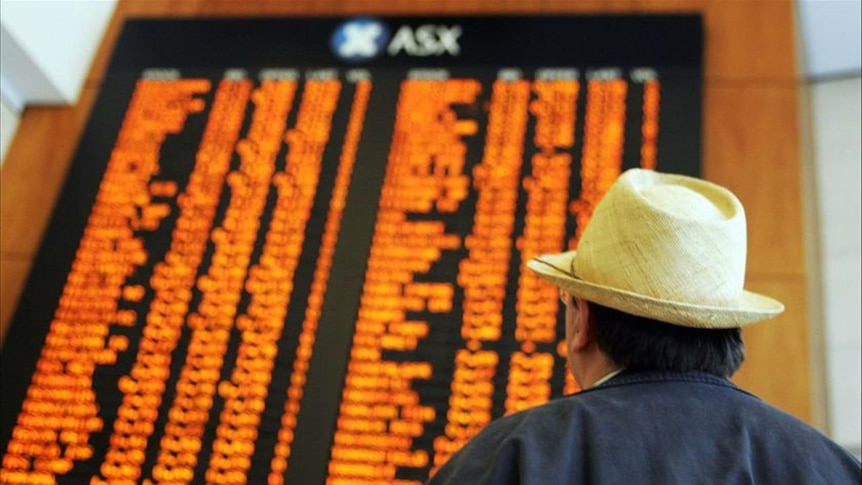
{"type": "Point", "coordinates": [751, 307]}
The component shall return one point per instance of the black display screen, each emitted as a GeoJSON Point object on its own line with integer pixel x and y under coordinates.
{"type": "Point", "coordinates": [293, 250]}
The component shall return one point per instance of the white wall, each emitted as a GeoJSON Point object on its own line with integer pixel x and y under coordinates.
{"type": "Point", "coordinates": [8, 125]}
{"type": "Point", "coordinates": [830, 33]}
{"type": "Point", "coordinates": [836, 124]}
{"type": "Point", "coordinates": [46, 48]}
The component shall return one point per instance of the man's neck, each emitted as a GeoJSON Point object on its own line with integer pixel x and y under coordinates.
{"type": "Point", "coordinates": [595, 369]}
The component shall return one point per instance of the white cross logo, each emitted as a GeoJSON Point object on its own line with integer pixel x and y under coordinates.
{"type": "Point", "coordinates": [360, 40]}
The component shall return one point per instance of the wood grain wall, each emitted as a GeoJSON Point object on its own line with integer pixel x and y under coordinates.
{"type": "Point", "coordinates": [751, 145]}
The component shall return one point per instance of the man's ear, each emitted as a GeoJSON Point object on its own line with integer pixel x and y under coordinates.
{"type": "Point", "coordinates": [585, 328]}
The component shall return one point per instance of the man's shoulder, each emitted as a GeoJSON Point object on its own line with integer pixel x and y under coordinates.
{"type": "Point", "coordinates": [633, 396]}
{"type": "Point", "coordinates": [689, 425]}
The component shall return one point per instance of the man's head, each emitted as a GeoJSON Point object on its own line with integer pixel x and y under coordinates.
{"type": "Point", "coordinates": [601, 339]}
{"type": "Point", "coordinates": [660, 250]}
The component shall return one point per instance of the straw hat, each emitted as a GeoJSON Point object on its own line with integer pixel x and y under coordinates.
{"type": "Point", "coordinates": [667, 247]}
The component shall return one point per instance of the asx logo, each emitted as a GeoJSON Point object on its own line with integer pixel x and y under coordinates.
{"type": "Point", "coordinates": [426, 40]}
{"type": "Point", "coordinates": [365, 38]}
{"type": "Point", "coordinates": [359, 39]}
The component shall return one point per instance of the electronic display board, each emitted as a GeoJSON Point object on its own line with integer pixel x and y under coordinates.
{"type": "Point", "coordinates": [293, 250]}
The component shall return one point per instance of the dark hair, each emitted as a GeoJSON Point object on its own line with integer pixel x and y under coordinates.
{"type": "Point", "coordinates": [642, 343]}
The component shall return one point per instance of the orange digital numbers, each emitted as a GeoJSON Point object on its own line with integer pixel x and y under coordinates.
{"type": "Point", "coordinates": [303, 166]}
{"type": "Point", "coordinates": [483, 275]}
{"type": "Point", "coordinates": [60, 411]}
{"type": "Point", "coordinates": [214, 318]}
{"type": "Point", "coordinates": [380, 412]}
{"type": "Point", "coordinates": [601, 157]}
{"type": "Point", "coordinates": [601, 160]}
{"type": "Point", "coordinates": [649, 128]}
{"type": "Point", "coordinates": [171, 282]}
{"type": "Point", "coordinates": [459, 202]}
{"type": "Point", "coordinates": [547, 190]}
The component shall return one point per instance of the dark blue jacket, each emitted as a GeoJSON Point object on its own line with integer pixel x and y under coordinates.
{"type": "Point", "coordinates": [652, 428]}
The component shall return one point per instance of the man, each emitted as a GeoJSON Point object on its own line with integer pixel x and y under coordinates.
{"type": "Point", "coordinates": [654, 304]}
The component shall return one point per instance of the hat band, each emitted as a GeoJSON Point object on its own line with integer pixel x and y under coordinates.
{"type": "Point", "coordinates": [731, 302]}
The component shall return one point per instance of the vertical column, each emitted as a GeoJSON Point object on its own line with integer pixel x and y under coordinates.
{"type": "Point", "coordinates": [483, 275]}
{"type": "Point", "coordinates": [547, 190]}
{"type": "Point", "coordinates": [318, 287]}
{"type": "Point", "coordinates": [601, 160]}
{"type": "Point", "coordinates": [172, 282]}
{"type": "Point", "coordinates": [221, 288]}
{"type": "Point", "coordinates": [380, 413]}
{"type": "Point", "coordinates": [649, 125]}
{"type": "Point", "coordinates": [601, 157]}
{"type": "Point", "coordinates": [270, 281]}
{"type": "Point", "coordinates": [60, 411]}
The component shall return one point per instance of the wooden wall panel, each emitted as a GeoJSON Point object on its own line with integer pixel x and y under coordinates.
{"type": "Point", "coordinates": [751, 144]}
{"type": "Point", "coordinates": [776, 366]}
{"type": "Point", "coordinates": [751, 134]}
{"type": "Point", "coordinates": [34, 172]}
{"type": "Point", "coordinates": [750, 40]}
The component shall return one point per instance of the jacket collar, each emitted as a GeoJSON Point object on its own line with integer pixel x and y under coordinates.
{"type": "Point", "coordinates": [631, 377]}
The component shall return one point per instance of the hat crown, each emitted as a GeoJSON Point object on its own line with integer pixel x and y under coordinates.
{"type": "Point", "coordinates": [669, 237]}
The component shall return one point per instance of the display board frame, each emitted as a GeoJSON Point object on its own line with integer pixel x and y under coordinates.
{"type": "Point", "coordinates": [203, 46]}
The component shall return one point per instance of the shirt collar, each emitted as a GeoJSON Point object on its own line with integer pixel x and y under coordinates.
{"type": "Point", "coordinates": [607, 377]}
